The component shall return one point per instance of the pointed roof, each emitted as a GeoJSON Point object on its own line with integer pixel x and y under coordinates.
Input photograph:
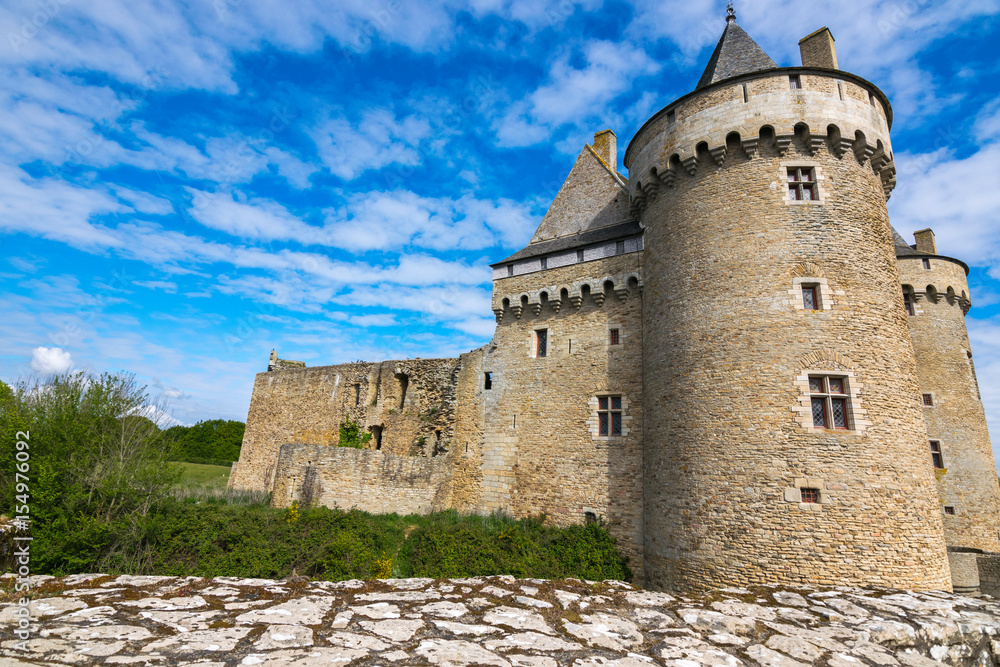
{"type": "Point", "coordinates": [735, 54]}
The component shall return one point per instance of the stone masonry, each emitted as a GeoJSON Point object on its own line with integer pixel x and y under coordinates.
{"type": "Point", "coordinates": [728, 356]}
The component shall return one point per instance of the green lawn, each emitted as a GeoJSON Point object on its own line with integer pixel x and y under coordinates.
{"type": "Point", "coordinates": [203, 476]}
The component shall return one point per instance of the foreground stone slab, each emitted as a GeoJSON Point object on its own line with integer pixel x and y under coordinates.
{"type": "Point", "coordinates": [95, 619]}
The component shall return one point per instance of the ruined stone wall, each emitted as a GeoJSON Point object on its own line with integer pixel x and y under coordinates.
{"type": "Point", "coordinates": [729, 347]}
{"type": "Point", "coordinates": [364, 479]}
{"type": "Point", "coordinates": [307, 405]}
{"type": "Point", "coordinates": [945, 371]}
{"type": "Point", "coordinates": [541, 450]}
{"type": "Point", "coordinates": [467, 443]}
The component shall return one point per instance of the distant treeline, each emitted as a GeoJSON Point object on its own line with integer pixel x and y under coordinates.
{"type": "Point", "coordinates": [215, 442]}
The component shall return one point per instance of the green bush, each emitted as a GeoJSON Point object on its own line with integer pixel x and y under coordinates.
{"type": "Point", "coordinates": [215, 442]}
{"type": "Point", "coordinates": [352, 436]}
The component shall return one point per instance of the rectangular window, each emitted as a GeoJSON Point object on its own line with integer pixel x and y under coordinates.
{"type": "Point", "coordinates": [488, 381]}
{"type": "Point", "coordinates": [802, 184]}
{"type": "Point", "coordinates": [928, 400]}
{"type": "Point", "coordinates": [620, 248]}
{"type": "Point", "coordinates": [609, 415]}
{"type": "Point", "coordinates": [908, 303]}
{"type": "Point", "coordinates": [840, 90]}
{"type": "Point", "coordinates": [579, 255]}
{"type": "Point", "coordinates": [829, 400]}
{"type": "Point", "coordinates": [949, 509]}
{"type": "Point", "coordinates": [810, 297]}
{"type": "Point", "coordinates": [794, 82]}
{"type": "Point", "coordinates": [541, 342]}
{"type": "Point", "coordinates": [746, 94]}
{"type": "Point", "coordinates": [810, 495]}
{"type": "Point", "coordinates": [936, 455]}
{"type": "Point", "coordinates": [510, 270]}
{"type": "Point", "coordinates": [545, 262]}
{"type": "Point", "coordinates": [927, 263]}
{"type": "Point", "coordinates": [615, 339]}
{"type": "Point", "coordinates": [671, 117]}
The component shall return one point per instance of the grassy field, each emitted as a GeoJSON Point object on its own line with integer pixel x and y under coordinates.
{"type": "Point", "coordinates": [197, 475]}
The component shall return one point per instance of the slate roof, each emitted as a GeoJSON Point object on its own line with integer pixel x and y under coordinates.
{"type": "Point", "coordinates": [585, 238]}
{"type": "Point", "coordinates": [902, 247]}
{"type": "Point", "coordinates": [735, 54]}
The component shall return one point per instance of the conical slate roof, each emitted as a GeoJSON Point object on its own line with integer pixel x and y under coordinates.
{"type": "Point", "coordinates": [902, 247]}
{"type": "Point", "coordinates": [735, 54]}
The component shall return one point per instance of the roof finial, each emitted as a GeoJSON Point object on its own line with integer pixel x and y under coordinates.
{"type": "Point", "coordinates": [730, 12]}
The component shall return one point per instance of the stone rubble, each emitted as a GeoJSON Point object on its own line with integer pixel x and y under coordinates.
{"type": "Point", "coordinates": [127, 620]}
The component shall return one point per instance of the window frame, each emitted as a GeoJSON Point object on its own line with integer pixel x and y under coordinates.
{"type": "Point", "coordinates": [828, 399]}
{"type": "Point", "coordinates": [799, 184]}
{"type": "Point", "coordinates": [949, 510]}
{"type": "Point", "coordinates": [937, 456]}
{"type": "Point", "coordinates": [607, 425]}
{"type": "Point", "coordinates": [927, 400]}
{"type": "Point", "coordinates": [908, 303]}
{"type": "Point", "coordinates": [810, 495]}
{"type": "Point", "coordinates": [614, 336]}
{"type": "Point", "coordinates": [813, 289]}
{"type": "Point", "coordinates": [541, 343]}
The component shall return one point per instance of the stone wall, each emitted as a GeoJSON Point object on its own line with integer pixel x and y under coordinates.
{"type": "Point", "coordinates": [729, 347]}
{"type": "Point", "coordinates": [989, 574]}
{"type": "Point", "coordinates": [956, 419]}
{"type": "Point", "coordinates": [542, 451]}
{"type": "Point", "coordinates": [364, 479]}
{"type": "Point", "coordinates": [307, 406]}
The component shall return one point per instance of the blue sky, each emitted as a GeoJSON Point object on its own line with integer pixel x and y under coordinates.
{"type": "Point", "coordinates": [186, 185]}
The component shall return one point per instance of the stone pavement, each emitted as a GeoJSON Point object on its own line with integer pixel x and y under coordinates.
{"type": "Point", "coordinates": [136, 620]}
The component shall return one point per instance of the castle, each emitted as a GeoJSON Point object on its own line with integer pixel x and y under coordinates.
{"type": "Point", "coordinates": [728, 356]}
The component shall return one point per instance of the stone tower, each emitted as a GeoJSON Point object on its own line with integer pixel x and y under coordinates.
{"type": "Point", "coordinates": [937, 298]}
{"type": "Point", "coordinates": [784, 438]}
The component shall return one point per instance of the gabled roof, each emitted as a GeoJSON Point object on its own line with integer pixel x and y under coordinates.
{"type": "Point", "coordinates": [592, 196]}
{"type": "Point", "coordinates": [735, 54]}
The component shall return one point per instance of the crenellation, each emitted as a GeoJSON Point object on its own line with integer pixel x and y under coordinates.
{"type": "Point", "coordinates": [730, 358]}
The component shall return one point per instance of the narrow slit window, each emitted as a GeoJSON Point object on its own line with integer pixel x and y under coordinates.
{"type": "Point", "coordinates": [579, 255]}
{"type": "Point", "coordinates": [810, 297]}
{"type": "Point", "coordinates": [927, 264]}
{"type": "Point", "coordinates": [802, 184]}
{"type": "Point", "coordinates": [928, 400]}
{"type": "Point", "coordinates": [794, 82]}
{"type": "Point", "coordinates": [671, 117]}
{"type": "Point", "coordinates": [615, 337]}
{"type": "Point", "coordinates": [829, 401]}
{"type": "Point", "coordinates": [840, 90]}
{"type": "Point", "coordinates": [810, 495]}
{"type": "Point", "coordinates": [487, 381]}
{"type": "Point", "coordinates": [544, 262]}
{"type": "Point", "coordinates": [609, 415]}
{"type": "Point", "coordinates": [510, 270]}
{"type": "Point", "coordinates": [620, 248]}
{"type": "Point", "coordinates": [541, 342]}
{"type": "Point", "coordinates": [746, 94]}
{"type": "Point", "coordinates": [908, 303]}
{"type": "Point", "coordinates": [936, 455]}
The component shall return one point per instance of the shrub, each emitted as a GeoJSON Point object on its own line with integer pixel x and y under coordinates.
{"type": "Point", "coordinates": [352, 436]}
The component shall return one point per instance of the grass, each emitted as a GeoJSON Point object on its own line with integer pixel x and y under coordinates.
{"type": "Point", "coordinates": [198, 475]}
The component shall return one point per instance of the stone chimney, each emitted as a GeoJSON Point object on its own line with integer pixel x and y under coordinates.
{"type": "Point", "coordinates": [818, 50]}
{"type": "Point", "coordinates": [925, 241]}
{"type": "Point", "coordinates": [606, 147]}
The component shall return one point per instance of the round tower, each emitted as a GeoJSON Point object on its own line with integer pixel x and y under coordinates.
{"type": "Point", "coordinates": [784, 437]}
{"type": "Point", "coordinates": [936, 295]}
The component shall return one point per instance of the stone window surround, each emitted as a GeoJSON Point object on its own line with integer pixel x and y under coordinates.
{"type": "Point", "coordinates": [823, 287]}
{"type": "Point", "coordinates": [622, 336]}
{"type": "Point", "coordinates": [594, 423]}
{"type": "Point", "coordinates": [934, 401]}
{"type": "Point", "coordinates": [533, 342]}
{"type": "Point", "coordinates": [793, 493]}
{"type": "Point", "coordinates": [803, 408]}
{"type": "Point", "coordinates": [785, 165]}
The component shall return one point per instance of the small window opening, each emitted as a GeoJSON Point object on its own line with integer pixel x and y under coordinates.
{"type": "Point", "coordinates": [620, 248]}
{"type": "Point", "coordinates": [609, 415]}
{"type": "Point", "coordinates": [840, 90]}
{"type": "Point", "coordinates": [829, 401]}
{"type": "Point", "coordinates": [404, 384]}
{"type": "Point", "coordinates": [927, 264]}
{"type": "Point", "coordinates": [810, 297]}
{"type": "Point", "coordinates": [949, 509]}
{"type": "Point", "coordinates": [802, 184]}
{"type": "Point", "coordinates": [357, 395]}
{"type": "Point", "coordinates": [488, 381]}
{"type": "Point", "coordinates": [541, 342]}
{"type": "Point", "coordinates": [579, 255]}
{"type": "Point", "coordinates": [928, 400]}
{"type": "Point", "coordinates": [515, 421]}
{"type": "Point", "coordinates": [871, 98]}
{"type": "Point", "coordinates": [810, 495]}
{"type": "Point", "coordinates": [936, 455]}
{"type": "Point", "coordinates": [376, 436]}
{"type": "Point", "coordinates": [671, 117]}
{"type": "Point", "coordinates": [746, 94]}
{"type": "Point", "coordinates": [545, 262]}
{"type": "Point", "coordinates": [908, 303]}
{"type": "Point", "coordinates": [589, 517]}
{"type": "Point", "coordinates": [615, 337]}
{"type": "Point", "coordinates": [794, 82]}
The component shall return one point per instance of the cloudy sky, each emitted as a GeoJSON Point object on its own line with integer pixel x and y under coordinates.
{"type": "Point", "coordinates": [184, 186]}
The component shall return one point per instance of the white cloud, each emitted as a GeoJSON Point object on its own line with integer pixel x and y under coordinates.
{"type": "Point", "coordinates": [165, 285]}
{"type": "Point", "coordinates": [377, 140]}
{"type": "Point", "coordinates": [50, 360]}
